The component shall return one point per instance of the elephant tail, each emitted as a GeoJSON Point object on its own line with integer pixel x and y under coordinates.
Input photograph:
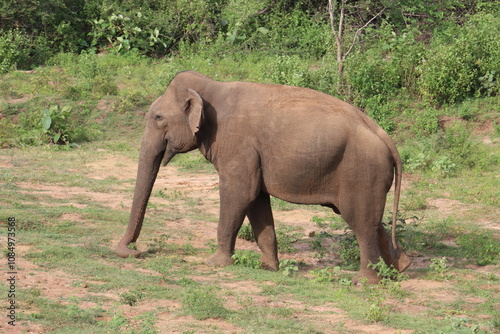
{"type": "Point", "coordinates": [398, 175]}
{"type": "Point", "coordinates": [398, 166]}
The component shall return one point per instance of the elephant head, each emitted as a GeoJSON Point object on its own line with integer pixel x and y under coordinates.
{"type": "Point", "coordinates": [172, 124]}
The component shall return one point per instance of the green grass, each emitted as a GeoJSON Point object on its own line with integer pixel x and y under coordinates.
{"type": "Point", "coordinates": [71, 209]}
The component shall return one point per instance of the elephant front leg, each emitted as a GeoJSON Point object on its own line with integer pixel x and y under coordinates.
{"type": "Point", "coordinates": [238, 190]}
{"type": "Point", "coordinates": [261, 219]}
{"type": "Point", "coordinates": [230, 222]}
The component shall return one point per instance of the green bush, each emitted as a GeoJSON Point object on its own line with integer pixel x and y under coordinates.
{"type": "Point", "coordinates": [463, 61]}
{"type": "Point", "coordinates": [153, 28]}
{"type": "Point", "coordinates": [323, 77]}
{"type": "Point", "coordinates": [370, 74]}
{"type": "Point", "coordinates": [300, 32]}
{"type": "Point", "coordinates": [381, 111]}
{"type": "Point", "coordinates": [13, 49]}
{"type": "Point", "coordinates": [123, 32]}
{"type": "Point", "coordinates": [426, 122]}
{"type": "Point", "coordinates": [48, 27]}
{"type": "Point", "coordinates": [438, 269]}
{"type": "Point", "coordinates": [328, 275]}
{"type": "Point", "coordinates": [55, 125]}
{"type": "Point", "coordinates": [289, 267]}
{"type": "Point", "coordinates": [21, 51]}
{"type": "Point", "coordinates": [385, 65]}
{"type": "Point", "coordinates": [447, 152]}
{"type": "Point", "coordinates": [289, 70]}
{"type": "Point", "coordinates": [239, 26]}
{"type": "Point", "coordinates": [246, 233]}
{"type": "Point", "coordinates": [388, 273]}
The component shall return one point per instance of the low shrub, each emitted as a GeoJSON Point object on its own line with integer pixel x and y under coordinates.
{"type": "Point", "coordinates": [349, 251]}
{"type": "Point", "coordinates": [463, 61]}
{"type": "Point", "coordinates": [387, 273]}
{"type": "Point", "coordinates": [289, 70]}
{"type": "Point", "coordinates": [446, 152]}
{"type": "Point", "coordinates": [247, 259]}
{"type": "Point", "coordinates": [53, 125]}
{"type": "Point", "coordinates": [13, 45]}
{"type": "Point", "coordinates": [246, 233]}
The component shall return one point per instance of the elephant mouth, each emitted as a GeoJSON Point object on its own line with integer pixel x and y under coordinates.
{"type": "Point", "coordinates": [168, 154]}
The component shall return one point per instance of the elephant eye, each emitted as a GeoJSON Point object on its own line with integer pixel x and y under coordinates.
{"type": "Point", "coordinates": [158, 117]}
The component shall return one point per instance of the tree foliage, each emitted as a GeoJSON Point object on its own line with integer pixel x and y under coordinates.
{"type": "Point", "coordinates": [444, 50]}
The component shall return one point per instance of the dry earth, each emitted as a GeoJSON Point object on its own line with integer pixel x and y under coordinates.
{"type": "Point", "coordinates": [56, 284]}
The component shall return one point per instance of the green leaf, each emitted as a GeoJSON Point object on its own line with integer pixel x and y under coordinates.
{"type": "Point", "coordinates": [66, 111]}
{"type": "Point", "coordinates": [56, 138]}
{"type": "Point", "coordinates": [46, 122]}
{"type": "Point", "coordinates": [263, 30]}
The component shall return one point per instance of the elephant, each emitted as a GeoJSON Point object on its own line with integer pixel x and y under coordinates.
{"type": "Point", "coordinates": [293, 143]}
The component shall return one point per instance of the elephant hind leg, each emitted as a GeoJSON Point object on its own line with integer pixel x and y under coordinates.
{"type": "Point", "coordinates": [261, 219]}
{"type": "Point", "coordinates": [364, 218]}
{"type": "Point", "coordinates": [369, 253]}
{"type": "Point", "coordinates": [375, 244]}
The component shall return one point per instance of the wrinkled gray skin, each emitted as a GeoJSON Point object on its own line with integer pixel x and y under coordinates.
{"type": "Point", "coordinates": [296, 144]}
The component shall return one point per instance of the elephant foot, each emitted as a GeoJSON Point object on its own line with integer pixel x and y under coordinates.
{"type": "Point", "coordinates": [404, 262]}
{"type": "Point", "coordinates": [220, 259]}
{"type": "Point", "coordinates": [367, 276]}
{"type": "Point", "coordinates": [123, 251]}
{"type": "Point", "coordinates": [269, 264]}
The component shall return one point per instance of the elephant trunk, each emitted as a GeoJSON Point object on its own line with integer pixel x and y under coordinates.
{"type": "Point", "coordinates": [149, 164]}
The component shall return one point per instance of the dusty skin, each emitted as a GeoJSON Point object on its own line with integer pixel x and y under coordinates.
{"type": "Point", "coordinates": [54, 284]}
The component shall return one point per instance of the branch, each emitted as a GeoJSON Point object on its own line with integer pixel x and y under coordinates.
{"type": "Point", "coordinates": [359, 31]}
{"type": "Point", "coordinates": [267, 8]}
{"type": "Point", "coordinates": [332, 18]}
{"type": "Point", "coordinates": [341, 19]}
{"type": "Point", "coordinates": [415, 15]}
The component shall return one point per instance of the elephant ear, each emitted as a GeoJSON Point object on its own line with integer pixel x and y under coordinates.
{"type": "Point", "coordinates": [194, 109]}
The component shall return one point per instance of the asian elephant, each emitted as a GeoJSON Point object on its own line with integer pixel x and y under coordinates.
{"type": "Point", "coordinates": [296, 144]}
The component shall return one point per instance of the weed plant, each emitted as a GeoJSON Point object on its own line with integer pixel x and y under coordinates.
{"type": "Point", "coordinates": [203, 303]}
{"type": "Point", "coordinates": [439, 268]}
{"type": "Point", "coordinates": [349, 251]}
{"type": "Point", "coordinates": [246, 233]}
{"type": "Point", "coordinates": [329, 275]}
{"type": "Point", "coordinates": [289, 267]}
{"type": "Point", "coordinates": [131, 297]}
{"type": "Point", "coordinates": [387, 273]}
{"type": "Point", "coordinates": [247, 259]}
{"type": "Point", "coordinates": [286, 236]}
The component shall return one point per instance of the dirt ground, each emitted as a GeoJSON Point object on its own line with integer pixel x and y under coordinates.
{"type": "Point", "coordinates": [53, 284]}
